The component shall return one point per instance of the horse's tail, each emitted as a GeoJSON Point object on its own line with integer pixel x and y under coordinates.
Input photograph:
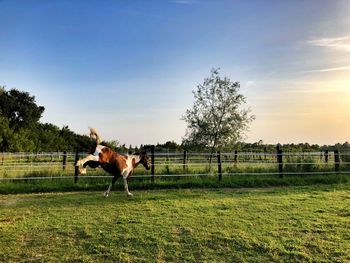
{"type": "Point", "coordinates": [94, 135]}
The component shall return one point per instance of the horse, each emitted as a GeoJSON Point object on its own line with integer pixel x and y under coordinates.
{"type": "Point", "coordinates": [118, 165]}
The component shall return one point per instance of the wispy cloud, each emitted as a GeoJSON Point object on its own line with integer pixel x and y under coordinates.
{"type": "Point", "coordinates": [327, 69]}
{"type": "Point", "coordinates": [250, 83]}
{"type": "Point", "coordinates": [338, 43]}
{"type": "Point", "coordinates": [183, 2]}
{"type": "Point", "coordinates": [314, 90]}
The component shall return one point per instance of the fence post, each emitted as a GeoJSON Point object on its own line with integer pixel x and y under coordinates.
{"type": "Point", "coordinates": [280, 160]}
{"type": "Point", "coordinates": [167, 163]}
{"type": "Point", "coordinates": [76, 171]}
{"type": "Point", "coordinates": [219, 165]}
{"type": "Point", "coordinates": [152, 163]}
{"type": "Point", "coordinates": [64, 163]}
{"type": "Point", "coordinates": [326, 156]}
{"type": "Point", "coordinates": [236, 156]}
{"type": "Point", "coordinates": [184, 162]}
{"type": "Point", "coordinates": [336, 161]}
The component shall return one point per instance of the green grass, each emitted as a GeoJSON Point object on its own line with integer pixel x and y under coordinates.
{"type": "Point", "coordinates": [228, 181]}
{"type": "Point", "coordinates": [294, 224]}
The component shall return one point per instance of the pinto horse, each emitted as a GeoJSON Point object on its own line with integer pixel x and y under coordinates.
{"type": "Point", "coordinates": [112, 162]}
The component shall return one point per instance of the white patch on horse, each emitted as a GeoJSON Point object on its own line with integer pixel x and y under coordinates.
{"type": "Point", "coordinates": [129, 166]}
{"type": "Point", "coordinates": [90, 157]}
{"type": "Point", "coordinates": [98, 150]}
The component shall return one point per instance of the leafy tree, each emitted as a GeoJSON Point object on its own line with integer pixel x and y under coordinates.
{"type": "Point", "coordinates": [6, 134]}
{"type": "Point", "coordinates": [172, 146]}
{"type": "Point", "coordinates": [12, 141]}
{"type": "Point", "coordinates": [47, 138]}
{"type": "Point", "coordinates": [22, 141]}
{"type": "Point", "coordinates": [216, 118]}
{"type": "Point", "coordinates": [19, 108]}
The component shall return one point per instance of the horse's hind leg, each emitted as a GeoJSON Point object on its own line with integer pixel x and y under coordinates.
{"type": "Point", "coordinates": [111, 185]}
{"type": "Point", "coordinates": [81, 163]}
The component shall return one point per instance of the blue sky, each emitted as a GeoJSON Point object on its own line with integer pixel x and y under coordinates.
{"type": "Point", "coordinates": [128, 68]}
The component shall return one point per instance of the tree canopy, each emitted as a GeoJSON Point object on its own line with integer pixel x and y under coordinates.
{"type": "Point", "coordinates": [19, 108]}
{"type": "Point", "coordinates": [216, 119]}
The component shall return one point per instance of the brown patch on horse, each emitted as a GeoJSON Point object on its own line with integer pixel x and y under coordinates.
{"type": "Point", "coordinates": [107, 155]}
{"type": "Point", "coordinates": [112, 162]}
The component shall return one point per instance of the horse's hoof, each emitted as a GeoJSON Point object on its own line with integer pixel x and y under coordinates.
{"type": "Point", "coordinates": [105, 194]}
{"type": "Point", "coordinates": [130, 194]}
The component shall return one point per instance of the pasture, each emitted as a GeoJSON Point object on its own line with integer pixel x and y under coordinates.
{"type": "Point", "coordinates": [298, 224]}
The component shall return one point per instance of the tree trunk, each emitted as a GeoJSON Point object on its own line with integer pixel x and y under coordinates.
{"type": "Point", "coordinates": [215, 140]}
{"type": "Point", "coordinates": [212, 151]}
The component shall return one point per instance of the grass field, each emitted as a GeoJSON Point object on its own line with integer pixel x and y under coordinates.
{"type": "Point", "coordinates": [289, 224]}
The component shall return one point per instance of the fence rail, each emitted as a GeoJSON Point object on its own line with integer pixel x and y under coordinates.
{"type": "Point", "coordinates": [23, 165]}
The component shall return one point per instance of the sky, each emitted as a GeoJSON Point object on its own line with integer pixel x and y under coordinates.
{"type": "Point", "coordinates": [128, 68]}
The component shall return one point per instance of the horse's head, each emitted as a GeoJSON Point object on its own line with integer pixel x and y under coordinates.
{"type": "Point", "coordinates": [145, 160]}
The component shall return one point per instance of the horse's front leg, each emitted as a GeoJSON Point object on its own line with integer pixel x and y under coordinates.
{"type": "Point", "coordinates": [125, 179]}
{"type": "Point", "coordinates": [111, 185]}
